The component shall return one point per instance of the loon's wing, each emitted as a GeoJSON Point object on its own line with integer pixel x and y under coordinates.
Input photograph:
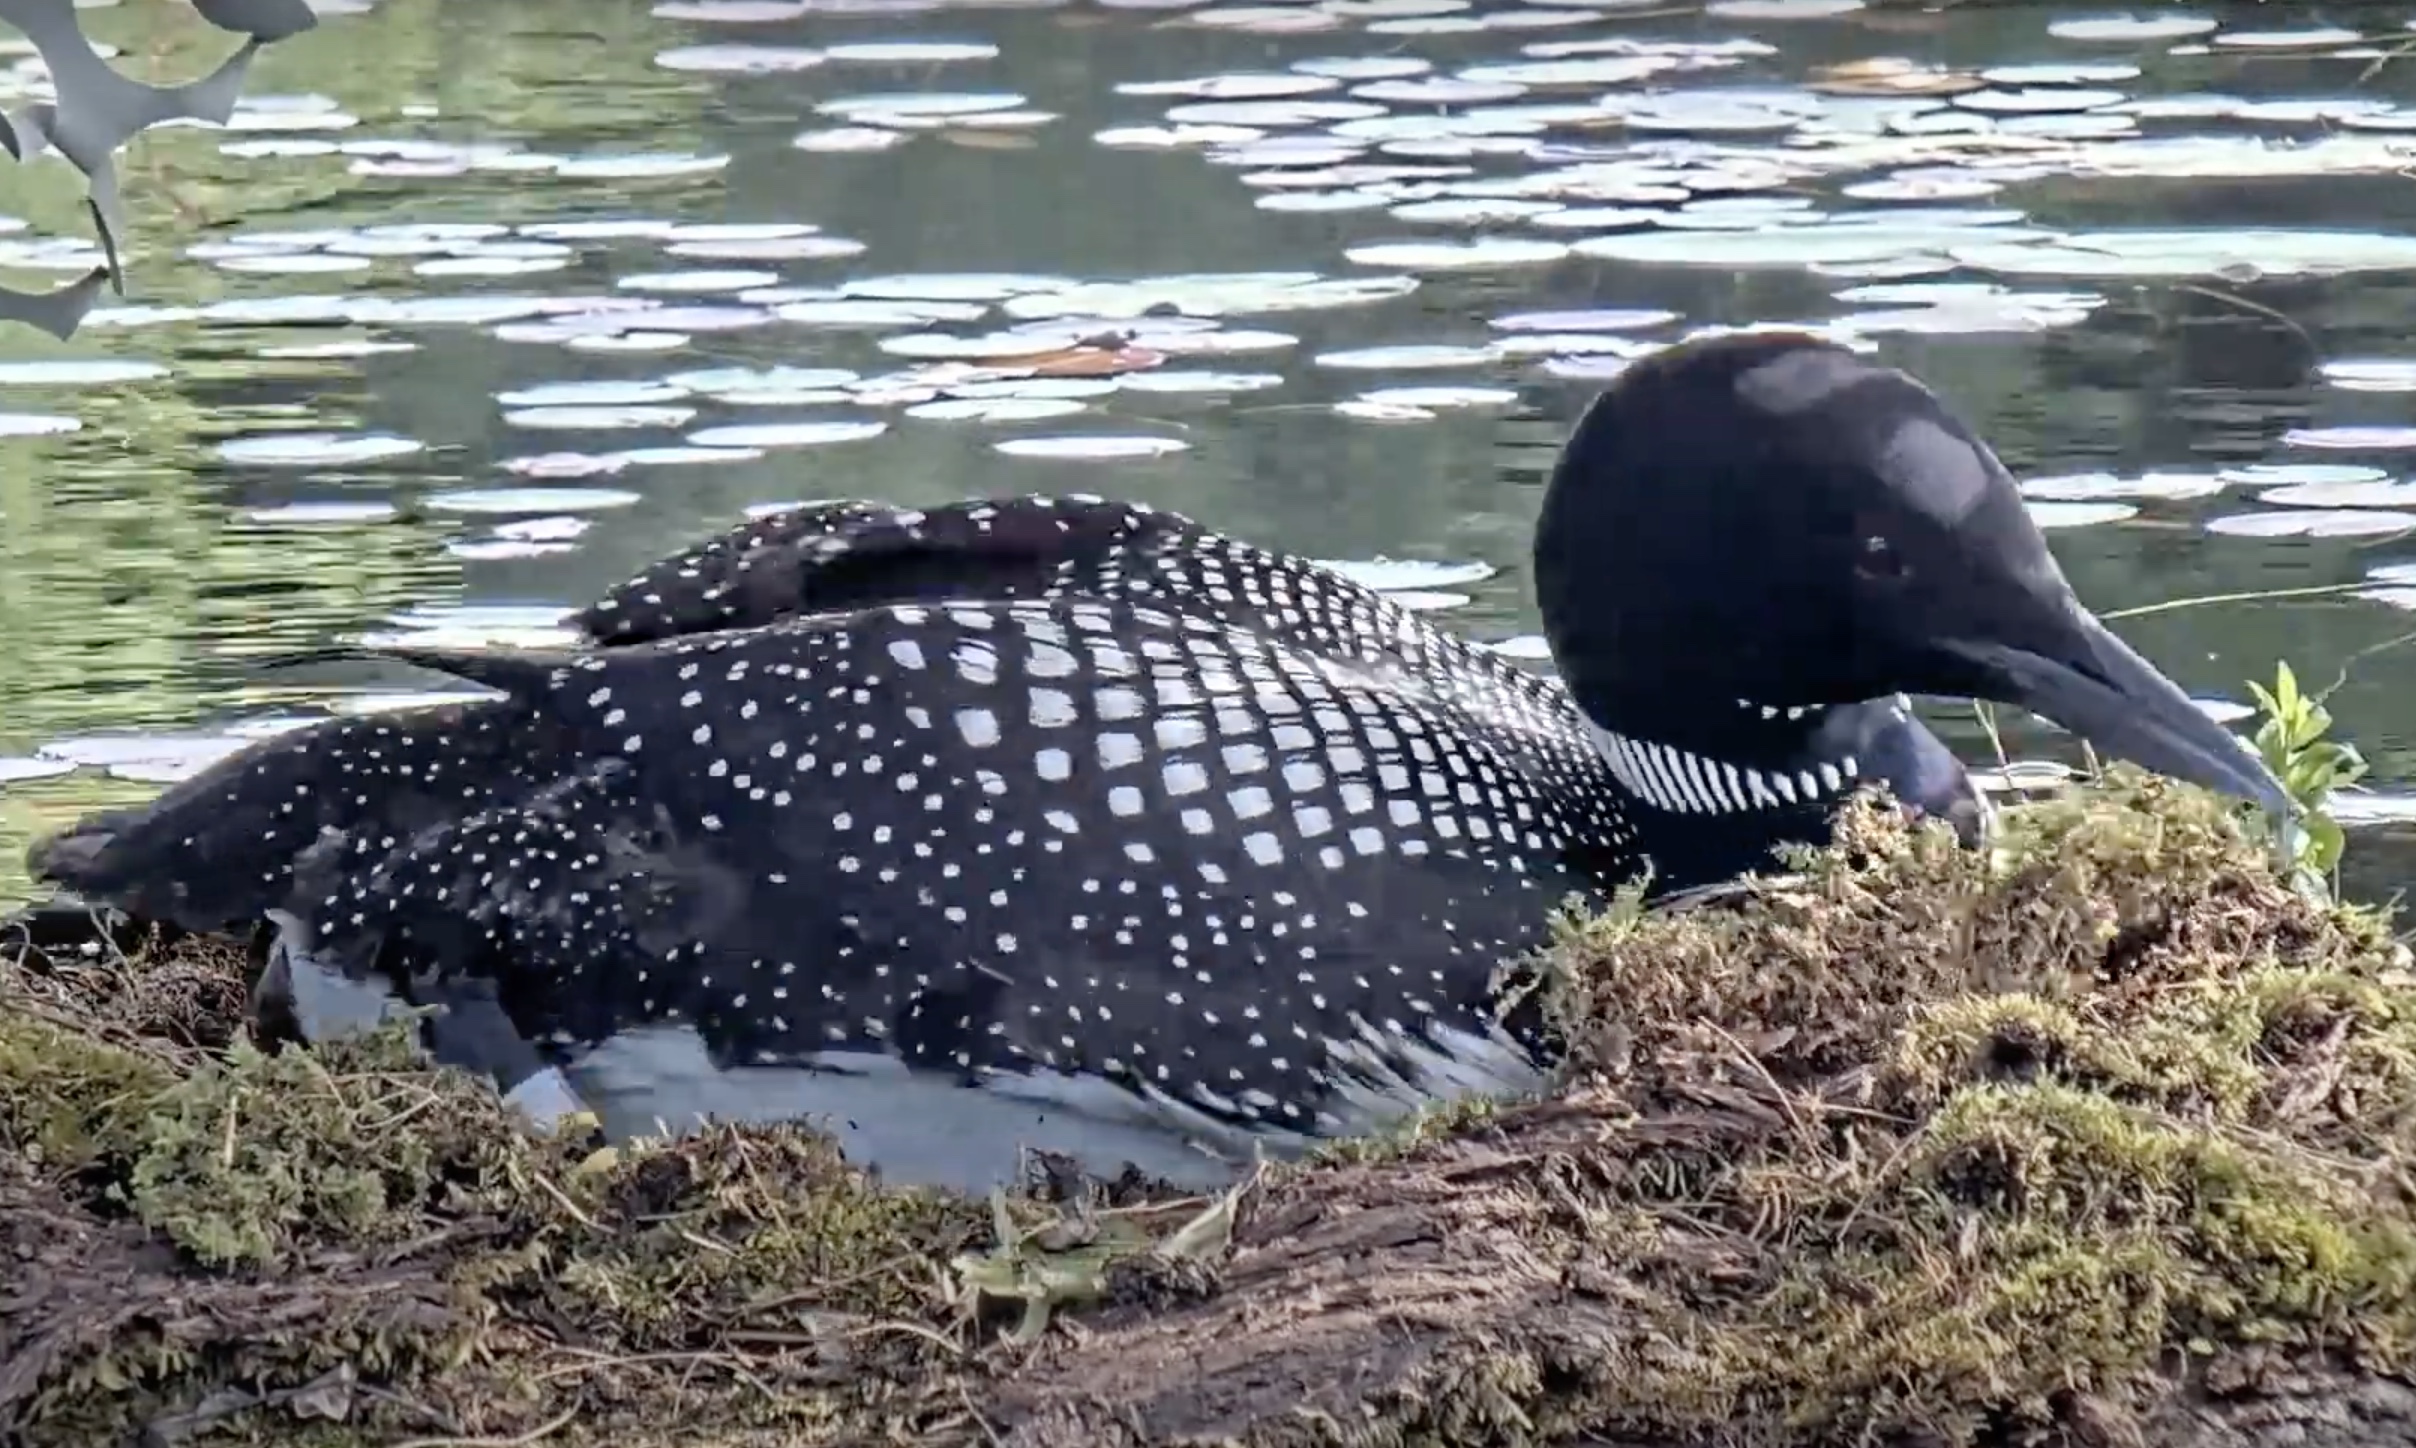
{"type": "Point", "coordinates": [834, 556]}
{"type": "Point", "coordinates": [918, 828]}
{"type": "Point", "coordinates": [1101, 846]}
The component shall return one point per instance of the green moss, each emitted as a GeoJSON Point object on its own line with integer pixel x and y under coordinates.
{"type": "Point", "coordinates": [1445, 1120]}
{"type": "Point", "coordinates": [69, 1094]}
{"type": "Point", "coordinates": [256, 1158]}
{"type": "Point", "coordinates": [1976, 1131]}
{"type": "Point", "coordinates": [1910, 1140]}
{"type": "Point", "coordinates": [230, 1228]}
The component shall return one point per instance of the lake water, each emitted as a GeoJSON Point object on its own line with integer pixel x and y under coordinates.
{"type": "Point", "coordinates": [476, 308]}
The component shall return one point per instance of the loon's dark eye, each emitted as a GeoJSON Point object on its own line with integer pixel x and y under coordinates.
{"type": "Point", "coordinates": [1878, 560]}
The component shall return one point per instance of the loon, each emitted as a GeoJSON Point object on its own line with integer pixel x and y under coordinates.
{"type": "Point", "coordinates": [1071, 824]}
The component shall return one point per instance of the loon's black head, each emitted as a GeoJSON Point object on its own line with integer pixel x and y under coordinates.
{"type": "Point", "coordinates": [1770, 520]}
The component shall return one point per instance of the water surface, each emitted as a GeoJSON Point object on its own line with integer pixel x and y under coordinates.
{"type": "Point", "coordinates": [475, 308]}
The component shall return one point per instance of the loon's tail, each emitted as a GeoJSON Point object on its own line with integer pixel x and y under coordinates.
{"type": "Point", "coordinates": [218, 849]}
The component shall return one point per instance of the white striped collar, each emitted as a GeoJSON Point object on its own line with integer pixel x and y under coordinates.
{"type": "Point", "coordinates": [1684, 782]}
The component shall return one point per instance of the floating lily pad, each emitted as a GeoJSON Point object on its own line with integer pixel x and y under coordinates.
{"type": "Point", "coordinates": [714, 381]}
{"type": "Point", "coordinates": [1188, 381]}
{"type": "Point", "coordinates": [841, 140]}
{"type": "Point", "coordinates": [2259, 475]}
{"type": "Point", "coordinates": [2371, 374]}
{"type": "Point", "coordinates": [905, 107]}
{"type": "Point", "coordinates": [333, 351]}
{"type": "Point", "coordinates": [741, 59]}
{"type": "Point", "coordinates": [989, 347]}
{"type": "Point", "coordinates": [2363, 494]}
{"type": "Point", "coordinates": [2313, 37]}
{"type": "Point", "coordinates": [488, 550]}
{"type": "Point", "coordinates": [1405, 357]}
{"type": "Point", "coordinates": [2312, 523]}
{"type": "Point", "coordinates": [637, 166]}
{"type": "Point", "coordinates": [911, 52]}
{"type": "Point", "coordinates": [697, 281]}
{"type": "Point", "coordinates": [487, 266]}
{"type": "Point", "coordinates": [2131, 29]}
{"type": "Point", "coordinates": [2106, 487]}
{"type": "Point", "coordinates": [2079, 515]}
{"type": "Point", "coordinates": [638, 341]}
{"type": "Point", "coordinates": [1495, 251]}
{"type": "Point", "coordinates": [320, 514]}
{"type": "Point", "coordinates": [603, 392]}
{"type": "Point", "coordinates": [600, 417]}
{"type": "Point", "coordinates": [78, 372]}
{"type": "Point", "coordinates": [528, 500]}
{"type": "Point", "coordinates": [1239, 85]}
{"type": "Point", "coordinates": [1362, 410]}
{"type": "Point", "coordinates": [291, 263]}
{"type": "Point", "coordinates": [1635, 319]}
{"type": "Point", "coordinates": [779, 248]}
{"type": "Point", "coordinates": [1442, 397]}
{"type": "Point", "coordinates": [2352, 439]}
{"type": "Point", "coordinates": [19, 769]}
{"type": "Point", "coordinates": [994, 409]}
{"type": "Point", "coordinates": [2214, 251]}
{"type": "Point", "coordinates": [1107, 447]}
{"type": "Point", "coordinates": [315, 449]}
{"type": "Point", "coordinates": [803, 433]}
{"type": "Point", "coordinates": [1221, 343]}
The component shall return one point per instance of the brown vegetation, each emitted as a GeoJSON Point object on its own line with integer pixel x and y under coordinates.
{"type": "Point", "coordinates": [2103, 1138]}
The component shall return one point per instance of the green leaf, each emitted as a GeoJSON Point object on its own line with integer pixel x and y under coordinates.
{"type": "Point", "coordinates": [2286, 689]}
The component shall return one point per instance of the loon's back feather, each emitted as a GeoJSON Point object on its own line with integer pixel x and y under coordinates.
{"type": "Point", "coordinates": [1003, 838]}
{"type": "Point", "coordinates": [833, 557]}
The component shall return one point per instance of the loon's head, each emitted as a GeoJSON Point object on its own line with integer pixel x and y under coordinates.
{"type": "Point", "coordinates": [1771, 520]}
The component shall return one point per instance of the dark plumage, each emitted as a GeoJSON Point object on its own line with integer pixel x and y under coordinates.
{"type": "Point", "coordinates": [1074, 823]}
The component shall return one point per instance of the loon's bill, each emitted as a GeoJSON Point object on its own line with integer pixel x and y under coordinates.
{"type": "Point", "coordinates": [2099, 689]}
{"type": "Point", "coordinates": [1074, 821]}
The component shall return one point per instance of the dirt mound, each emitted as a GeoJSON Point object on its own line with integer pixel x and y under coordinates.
{"type": "Point", "coordinates": [2103, 1137]}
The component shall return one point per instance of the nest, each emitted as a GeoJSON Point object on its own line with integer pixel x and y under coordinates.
{"type": "Point", "coordinates": [2101, 1137]}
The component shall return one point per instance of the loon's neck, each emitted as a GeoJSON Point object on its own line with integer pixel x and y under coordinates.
{"type": "Point", "coordinates": [1715, 796]}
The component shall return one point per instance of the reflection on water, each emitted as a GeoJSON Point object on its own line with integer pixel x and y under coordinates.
{"type": "Point", "coordinates": [473, 309]}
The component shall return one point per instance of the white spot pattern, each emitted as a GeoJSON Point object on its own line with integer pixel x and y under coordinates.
{"type": "Point", "coordinates": [1261, 831]}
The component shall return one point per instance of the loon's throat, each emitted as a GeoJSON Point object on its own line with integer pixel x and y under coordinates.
{"type": "Point", "coordinates": [1745, 783]}
{"type": "Point", "coordinates": [1754, 760]}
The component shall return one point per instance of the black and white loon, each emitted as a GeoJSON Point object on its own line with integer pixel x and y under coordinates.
{"type": "Point", "coordinates": [1072, 824]}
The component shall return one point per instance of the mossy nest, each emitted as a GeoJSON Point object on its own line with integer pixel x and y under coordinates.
{"type": "Point", "coordinates": [1913, 1145]}
{"type": "Point", "coordinates": [1927, 1140]}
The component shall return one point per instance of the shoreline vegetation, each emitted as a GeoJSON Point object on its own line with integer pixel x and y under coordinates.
{"type": "Point", "coordinates": [2102, 1136]}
